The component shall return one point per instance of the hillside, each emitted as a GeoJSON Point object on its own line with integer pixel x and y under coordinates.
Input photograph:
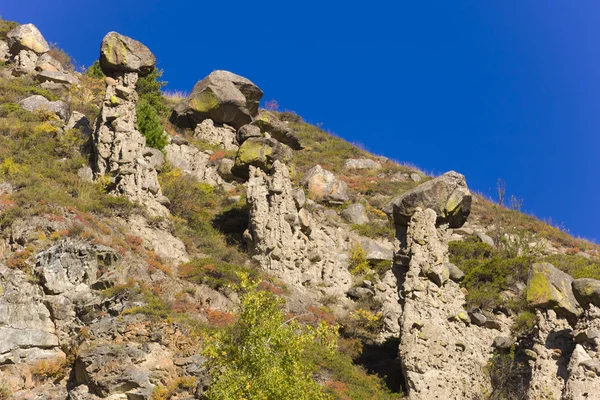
{"type": "Point", "coordinates": [165, 247]}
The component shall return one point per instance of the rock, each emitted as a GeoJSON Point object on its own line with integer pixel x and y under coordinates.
{"type": "Point", "coordinates": [222, 96]}
{"type": "Point", "coordinates": [361, 163]}
{"type": "Point", "coordinates": [548, 287]}
{"type": "Point", "coordinates": [503, 343]}
{"type": "Point", "coordinates": [493, 324]}
{"type": "Point", "coordinates": [192, 161]}
{"type": "Point", "coordinates": [455, 273]}
{"type": "Point", "coordinates": [48, 63]}
{"type": "Point", "coordinates": [119, 53]}
{"type": "Point", "coordinates": [64, 78]}
{"type": "Point", "coordinates": [587, 291]}
{"type": "Point", "coordinates": [485, 238]}
{"type": "Point", "coordinates": [415, 177]}
{"type": "Point", "coordinates": [223, 136]}
{"type": "Point", "coordinates": [583, 376]}
{"type": "Point", "coordinates": [269, 123]}
{"type": "Point", "coordinates": [399, 177]}
{"type": "Point", "coordinates": [25, 321]}
{"type": "Point", "coordinates": [299, 197]}
{"type": "Point", "coordinates": [25, 62]}
{"type": "Point", "coordinates": [261, 153]}
{"type": "Point", "coordinates": [224, 167]}
{"type": "Point", "coordinates": [375, 252]}
{"type": "Point", "coordinates": [4, 53]}
{"type": "Point", "coordinates": [360, 293]}
{"type": "Point", "coordinates": [26, 37]}
{"type": "Point", "coordinates": [324, 186]}
{"type": "Point", "coordinates": [248, 131]}
{"type": "Point", "coordinates": [447, 195]}
{"type": "Point", "coordinates": [38, 102]}
{"type": "Point", "coordinates": [155, 158]}
{"type": "Point", "coordinates": [355, 214]}
{"type": "Point", "coordinates": [477, 318]}
{"type": "Point", "coordinates": [86, 174]}
{"type": "Point", "coordinates": [530, 354]}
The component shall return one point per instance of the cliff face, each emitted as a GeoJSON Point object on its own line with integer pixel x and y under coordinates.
{"type": "Point", "coordinates": [121, 261]}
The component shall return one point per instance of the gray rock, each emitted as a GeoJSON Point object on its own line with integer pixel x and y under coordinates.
{"type": "Point", "coordinates": [261, 153]}
{"type": "Point", "coordinates": [355, 214]}
{"type": "Point", "coordinates": [478, 318]}
{"type": "Point", "coordinates": [64, 78]}
{"type": "Point", "coordinates": [299, 197]}
{"type": "Point", "coordinates": [361, 163]}
{"type": "Point", "coordinates": [222, 96]}
{"type": "Point", "coordinates": [485, 238]}
{"type": "Point", "coordinates": [26, 37]}
{"type": "Point", "coordinates": [4, 53]}
{"type": "Point", "coordinates": [399, 177]}
{"type": "Point", "coordinates": [587, 291]}
{"type": "Point", "coordinates": [224, 167]}
{"type": "Point", "coordinates": [25, 62]}
{"type": "Point", "coordinates": [223, 136]}
{"type": "Point", "coordinates": [324, 186]}
{"type": "Point", "coordinates": [447, 195]}
{"type": "Point", "coordinates": [455, 273]}
{"type": "Point", "coordinates": [550, 288]}
{"type": "Point", "coordinates": [493, 324]}
{"type": "Point", "coordinates": [269, 123]}
{"type": "Point", "coordinates": [375, 252]}
{"type": "Point", "coordinates": [415, 177]}
{"type": "Point", "coordinates": [119, 53]}
{"type": "Point", "coordinates": [86, 174]}
{"type": "Point", "coordinates": [360, 293]}
{"type": "Point", "coordinates": [503, 343]}
{"type": "Point", "coordinates": [155, 158]}
{"type": "Point", "coordinates": [248, 131]}
{"type": "Point", "coordinates": [37, 102]}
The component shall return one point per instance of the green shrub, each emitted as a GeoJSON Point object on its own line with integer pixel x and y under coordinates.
{"type": "Point", "coordinates": [509, 377]}
{"type": "Point", "coordinates": [525, 323]}
{"type": "Point", "coordinates": [358, 263]}
{"type": "Point", "coordinates": [264, 356]}
{"type": "Point", "coordinates": [6, 26]}
{"type": "Point", "coordinates": [215, 274]}
{"type": "Point", "coordinates": [376, 230]}
{"type": "Point", "coordinates": [576, 265]}
{"type": "Point", "coordinates": [150, 125]}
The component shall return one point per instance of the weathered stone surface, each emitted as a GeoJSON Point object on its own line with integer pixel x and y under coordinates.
{"type": "Point", "coordinates": [25, 321]}
{"type": "Point", "coordinates": [120, 149]}
{"type": "Point", "coordinates": [443, 356]}
{"type": "Point", "coordinates": [224, 167]}
{"type": "Point", "coordinates": [485, 238]}
{"type": "Point", "coordinates": [38, 102]}
{"type": "Point", "coordinates": [548, 287]}
{"type": "Point", "coordinates": [324, 186]}
{"type": "Point", "coordinates": [447, 195]}
{"type": "Point", "coordinates": [222, 96]}
{"type": "Point", "coordinates": [583, 376]}
{"type": "Point", "coordinates": [48, 63]}
{"type": "Point", "coordinates": [361, 163]}
{"type": "Point", "coordinates": [223, 136]}
{"type": "Point", "coordinates": [289, 243]}
{"type": "Point", "coordinates": [248, 131]}
{"type": "Point", "coordinates": [503, 343]}
{"type": "Point", "coordinates": [64, 78]}
{"type": "Point", "coordinates": [193, 162]}
{"type": "Point", "coordinates": [355, 214]}
{"type": "Point", "coordinates": [119, 54]}
{"type": "Point", "coordinates": [587, 291]}
{"type": "Point", "coordinates": [278, 130]}
{"type": "Point", "coordinates": [376, 252]}
{"type": "Point", "coordinates": [261, 153]}
{"type": "Point", "coordinates": [4, 53]}
{"type": "Point", "coordinates": [455, 273]}
{"type": "Point", "coordinates": [26, 37]}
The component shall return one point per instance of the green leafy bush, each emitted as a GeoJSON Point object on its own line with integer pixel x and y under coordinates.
{"type": "Point", "coordinates": [150, 125]}
{"type": "Point", "coordinates": [263, 355]}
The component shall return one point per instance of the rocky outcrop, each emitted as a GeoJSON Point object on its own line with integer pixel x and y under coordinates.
{"type": "Point", "coordinates": [447, 195]}
{"type": "Point", "coordinates": [278, 130]}
{"type": "Point", "coordinates": [550, 288]}
{"type": "Point", "coordinates": [285, 239]}
{"type": "Point", "coordinates": [222, 96]}
{"type": "Point", "coordinates": [192, 161]}
{"type": "Point", "coordinates": [26, 44]}
{"type": "Point", "coordinates": [222, 136]}
{"type": "Point", "coordinates": [261, 153]}
{"type": "Point", "coordinates": [443, 355]}
{"type": "Point", "coordinates": [322, 185]}
{"type": "Point", "coordinates": [40, 103]}
{"type": "Point", "coordinates": [119, 148]}
{"type": "Point", "coordinates": [361, 164]}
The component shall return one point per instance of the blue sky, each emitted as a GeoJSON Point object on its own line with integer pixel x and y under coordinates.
{"type": "Point", "coordinates": [506, 90]}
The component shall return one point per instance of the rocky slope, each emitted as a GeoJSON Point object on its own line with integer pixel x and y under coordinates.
{"type": "Point", "coordinates": [119, 260]}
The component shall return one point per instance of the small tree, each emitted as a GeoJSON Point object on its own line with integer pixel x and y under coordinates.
{"type": "Point", "coordinates": [150, 125]}
{"type": "Point", "coordinates": [263, 355]}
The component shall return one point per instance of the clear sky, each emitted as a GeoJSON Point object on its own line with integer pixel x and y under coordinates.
{"type": "Point", "coordinates": [493, 89]}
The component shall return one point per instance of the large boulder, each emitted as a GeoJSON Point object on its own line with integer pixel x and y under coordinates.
{"type": "Point", "coordinates": [261, 153]}
{"type": "Point", "coordinates": [26, 37]}
{"type": "Point", "coordinates": [448, 195]}
{"type": "Point", "coordinates": [587, 291]}
{"type": "Point", "coordinates": [120, 53]}
{"type": "Point", "coordinates": [38, 102]}
{"type": "Point", "coordinates": [356, 214]}
{"type": "Point", "coordinates": [222, 96]}
{"type": "Point", "coordinates": [550, 288]}
{"type": "Point", "coordinates": [324, 186]}
{"type": "Point", "coordinates": [268, 123]}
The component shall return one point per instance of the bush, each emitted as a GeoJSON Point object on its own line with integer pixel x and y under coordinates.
{"type": "Point", "coordinates": [358, 263]}
{"type": "Point", "coordinates": [263, 355]}
{"type": "Point", "coordinates": [50, 369]}
{"type": "Point", "coordinates": [376, 230]}
{"type": "Point", "coordinates": [95, 71]}
{"type": "Point", "coordinates": [509, 377]}
{"type": "Point", "coordinates": [150, 125]}
{"type": "Point", "coordinates": [62, 57]}
{"type": "Point", "coordinates": [525, 323]}
{"type": "Point", "coordinates": [576, 265]}
{"type": "Point", "coordinates": [6, 26]}
{"type": "Point", "coordinates": [215, 274]}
